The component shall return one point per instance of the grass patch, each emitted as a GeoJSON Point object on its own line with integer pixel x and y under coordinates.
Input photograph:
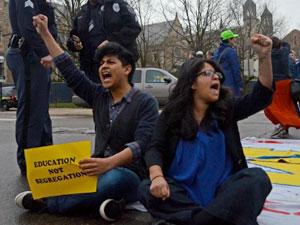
{"type": "Point", "coordinates": [62, 105]}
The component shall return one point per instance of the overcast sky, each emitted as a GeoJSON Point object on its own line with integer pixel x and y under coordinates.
{"type": "Point", "coordinates": [289, 9]}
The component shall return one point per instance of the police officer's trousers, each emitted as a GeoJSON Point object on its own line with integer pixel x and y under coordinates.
{"type": "Point", "coordinates": [33, 125]}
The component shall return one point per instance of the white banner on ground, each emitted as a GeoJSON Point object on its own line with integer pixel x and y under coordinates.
{"type": "Point", "coordinates": [274, 144]}
{"type": "Point", "coordinates": [283, 204]}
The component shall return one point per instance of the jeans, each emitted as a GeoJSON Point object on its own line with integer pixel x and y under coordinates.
{"type": "Point", "coordinates": [118, 183]}
{"type": "Point", "coordinates": [33, 125]}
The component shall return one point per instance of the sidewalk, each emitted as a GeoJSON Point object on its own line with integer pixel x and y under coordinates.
{"type": "Point", "coordinates": [70, 112]}
{"type": "Point", "coordinates": [60, 112]}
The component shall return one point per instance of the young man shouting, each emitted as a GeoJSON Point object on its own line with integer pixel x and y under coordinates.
{"type": "Point", "coordinates": [124, 119]}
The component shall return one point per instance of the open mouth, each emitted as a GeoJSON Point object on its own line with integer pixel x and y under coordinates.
{"type": "Point", "coordinates": [106, 76]}
{"type": "Point", "coordinates": [215, 86]}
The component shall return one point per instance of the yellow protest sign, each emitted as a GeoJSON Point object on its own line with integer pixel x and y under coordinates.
{"type": "Point", "coordinates": [54, 170]}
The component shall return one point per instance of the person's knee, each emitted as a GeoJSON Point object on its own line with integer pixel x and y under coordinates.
{"type": "Point", "coordinates": [256, 179]}
{"type": "Point", "coordinates": [261, 178]}
{"type": "Point", "coordinates": [118, 179]}
{"type": "Point", "coordinates": [110, 179]}
{"type": "Point", "coordinates": [258, 174]}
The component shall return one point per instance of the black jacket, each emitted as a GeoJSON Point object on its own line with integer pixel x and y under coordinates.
{"type": "Point", "coordinates": [119, 24]}
{"type": "Point", "coordinates": [163, 146]}
{"type": "Point", "coordinates": [135, 122]}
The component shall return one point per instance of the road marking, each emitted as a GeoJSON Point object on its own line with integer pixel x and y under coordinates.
{"type": "Point", "coordinates": [14, 119]}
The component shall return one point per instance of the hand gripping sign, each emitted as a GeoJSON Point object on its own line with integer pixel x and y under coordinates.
{"type": "Point", "coordinates": [54, 170]}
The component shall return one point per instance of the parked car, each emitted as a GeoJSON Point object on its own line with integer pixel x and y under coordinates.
{"type": "Point", "coordinates": [157, 82]}
{"type": "Point", "coordinates": [9, 97]}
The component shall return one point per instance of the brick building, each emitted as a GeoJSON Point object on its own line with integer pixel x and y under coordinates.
{"type": "Point", "coordinates": [293, 38]}
{"type": "Point", "coordinates": [5, 33]}
{"type": "Point", "coordinates": [166, 48]}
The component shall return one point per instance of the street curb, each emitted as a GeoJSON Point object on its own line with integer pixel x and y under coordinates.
{"type": "Point", "coordinates": [61, 112]}
{"type": "Point", "coordinates": [70, 112]}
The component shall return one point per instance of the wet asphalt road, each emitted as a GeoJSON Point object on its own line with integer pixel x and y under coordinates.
{"type": "Point", "coordinates": [68, 128]}
{"type": "Point", "coordinates": [65, 129]}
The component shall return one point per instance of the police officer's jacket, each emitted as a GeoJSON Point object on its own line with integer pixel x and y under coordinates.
{"type": "Point", "coordinates": [118, 23]}
{"type": "Point", "coordinates": [21, 13]}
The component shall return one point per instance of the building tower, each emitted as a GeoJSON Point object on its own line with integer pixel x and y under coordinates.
{"type": "Point", "coordinates": [267, 23]}
{"type": "Point", "coordinates": [249, 14]}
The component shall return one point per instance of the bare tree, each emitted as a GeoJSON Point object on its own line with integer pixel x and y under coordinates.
{"type": "Point", "coordinates": [200, 19]}
{"type": "Point", "coordinates": [168, 42]}
{"type": "Point", "coordinates": [156, 44]}
{"type": "Point", "coordinates": [144, 10]}
{"type": "Point", "coordinates": [66, 11]}
{"type": "Point", "coordinates": [246, 19]}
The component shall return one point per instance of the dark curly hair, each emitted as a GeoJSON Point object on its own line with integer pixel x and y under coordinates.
{"type": "Point", "coordinates": [115, 49]}
{"type": "Point", "coordinates": [178, 113]}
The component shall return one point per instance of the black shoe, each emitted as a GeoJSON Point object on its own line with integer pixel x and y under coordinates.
{"type": "Point", "coordinates": [25, 200]}
{"type": "Point", "coordinates": [111, 210]}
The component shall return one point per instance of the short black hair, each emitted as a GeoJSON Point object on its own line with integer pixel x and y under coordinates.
{"type": "Point", "coordinates": [115, 49]}
{"type": "Point", "coordinates": [225, 41]}
{"type": "Point", "coordinates": [193, 53]}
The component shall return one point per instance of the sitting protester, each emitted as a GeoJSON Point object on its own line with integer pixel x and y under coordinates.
{"type": "Point", "coordinates": [198, 172]}
{"type": "Point", "coordinates": [124, 119]}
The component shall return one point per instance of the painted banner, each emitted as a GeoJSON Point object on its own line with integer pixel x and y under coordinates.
{"type": "Point", "coordinates": [281, 160]}
{"type": "Point", "coordinates": [54, 170]}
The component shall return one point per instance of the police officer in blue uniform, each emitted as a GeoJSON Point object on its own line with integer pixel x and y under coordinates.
{"type": "Point", "coordinates": [97, 23]}
{"type": "Point", "coordinates": [25, 56]}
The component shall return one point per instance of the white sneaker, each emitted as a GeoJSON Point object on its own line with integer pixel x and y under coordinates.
{"type": "Point", "coordinates": [25, 200]}
{"type": "Point", "coordinates": [111, 210]}
{"type": "Point", "coordinates": [19, 199]}
{"type": "Point", "coordinates": [281, 135]}
{"type": "Point", "coordinates": [277, 130]}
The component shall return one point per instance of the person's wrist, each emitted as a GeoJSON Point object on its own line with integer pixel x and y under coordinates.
{"type": "Point", "coordinates": [264, 57]}
{"type": "Point", "coordinates": [110, 163]}
{"type": "Point", "coordinates": [156, 177]}
{"type": "Point", "coordinates": [45, 34]}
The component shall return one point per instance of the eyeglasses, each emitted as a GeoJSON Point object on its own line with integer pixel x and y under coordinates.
{"type": "Point", "coordinates": [209, 73]}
